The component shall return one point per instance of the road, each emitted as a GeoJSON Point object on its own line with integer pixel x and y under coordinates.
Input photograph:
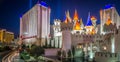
{"type": "Point", "coordinates": [2, 54]}
{"type": "Point", "coordinates": [10, 56]}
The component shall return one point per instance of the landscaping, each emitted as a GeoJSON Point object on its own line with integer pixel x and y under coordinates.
{"type": "Point", "coordinates": [4, 48]}
{"type": "Point", "coordinates": [32, 54]}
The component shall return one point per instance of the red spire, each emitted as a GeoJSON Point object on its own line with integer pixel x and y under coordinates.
{"type": "Point", "coordinates": [68, 16]}
{"type": "Point", "coordinates": [76, 16]}
{"type": "Point", "coordinates": [68, 19]}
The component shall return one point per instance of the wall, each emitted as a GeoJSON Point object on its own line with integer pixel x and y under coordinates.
{"type": "Point", "coordinates": [106, 57]}
{"type": "Point", "coordinates": [51, 52]}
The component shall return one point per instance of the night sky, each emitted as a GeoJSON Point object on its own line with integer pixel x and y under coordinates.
{"type": "Point", "coordinates": [11, 10]}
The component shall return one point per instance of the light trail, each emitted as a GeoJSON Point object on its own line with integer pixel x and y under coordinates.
{"type": "Point", "coordinates": [9, 57]}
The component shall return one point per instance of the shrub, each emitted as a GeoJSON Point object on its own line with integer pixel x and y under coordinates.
{"type": "Point", "coordinates": [37, 51]}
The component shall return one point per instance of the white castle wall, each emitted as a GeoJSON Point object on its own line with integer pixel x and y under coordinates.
{"type": "Point", "coordinates": [76, 39]}
{"type": "Point", "coordinates": [66, 38]}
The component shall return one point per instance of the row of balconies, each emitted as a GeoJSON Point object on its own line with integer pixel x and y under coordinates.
{"type": "Point", "coordinates": [87, 36]}
{"type": "Point", "coordinates": [66, 28]}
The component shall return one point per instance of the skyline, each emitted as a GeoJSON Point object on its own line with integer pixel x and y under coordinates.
{"type": "Point", "coordinates": [12, 10]}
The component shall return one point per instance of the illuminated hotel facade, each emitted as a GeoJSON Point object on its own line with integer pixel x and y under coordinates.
{"type": "Point", "coordinates": [109, 13]}
{"type": "Point", "coordinates": [6, 36]}
{"type": "Point", "coordinates": [35, 24]}
{"type": "Point", "coordinates": [95, 40]}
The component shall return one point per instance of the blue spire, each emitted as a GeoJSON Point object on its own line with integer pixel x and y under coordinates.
{"type": "Point", "coordinates": [89, 22]}
{"type": "Point", "coordinates": [64, 18]}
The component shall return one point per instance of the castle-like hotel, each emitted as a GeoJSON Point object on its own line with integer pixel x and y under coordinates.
{"type": "Point", "coordinates": [96, 40]}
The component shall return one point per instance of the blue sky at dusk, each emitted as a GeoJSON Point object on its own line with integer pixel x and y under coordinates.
{"type": "Point", "coordinates": [11, 10]}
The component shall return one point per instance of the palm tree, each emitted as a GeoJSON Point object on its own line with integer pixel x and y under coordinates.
{"type": "Point", "coordinates": [46, 45]}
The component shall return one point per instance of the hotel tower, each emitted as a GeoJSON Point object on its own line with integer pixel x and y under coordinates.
{"type": "Point", "coordinates": [110, 13]}
{"type": "Point", "coordinates": [35, 24]}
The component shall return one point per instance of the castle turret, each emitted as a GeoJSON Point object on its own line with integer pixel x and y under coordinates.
{"type": "Point", "coordinates": [68, 18]}
{"type": "Point", "coordinates": [66, 35]}
{"type": "Point", "coordinates": [77, 23]}
{"type": "Point", "coordinates": [89, 22]}
{"type": "Point", "coordinates": [90, 29]}
{"type": "Point", "coordinates": [57, 33]}
{"type": "Point", "coordinates": [81, 23]}
{"type": "Point", "coordinates": [93, 19]}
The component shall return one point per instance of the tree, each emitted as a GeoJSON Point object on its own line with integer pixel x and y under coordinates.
{"type": "Point", "coordinates": [69, 53]}
{"type": "Point", "coordinates": [37, 51]}
{"type": "Point", "coordinates": [23, 46]}
{"type": "Point", "coordinates": [50, 45]}
{"type": "Point", "coordinates": [46, 45]}
{"type": "Point", "coordinates": [63, 53]}
{"type": "Point", "coordinates": [59, 53]}
{"type": "Point", "coordinates": [54, 43]}
{"type": "Point", "coordinates": [58, 42]}
{"type": "Point", "coordinates": [73, 50]}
